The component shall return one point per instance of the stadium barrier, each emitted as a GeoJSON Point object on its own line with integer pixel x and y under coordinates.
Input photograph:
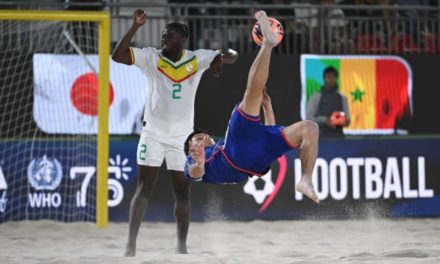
{"type": "Point", "coordinates": [322, 29]}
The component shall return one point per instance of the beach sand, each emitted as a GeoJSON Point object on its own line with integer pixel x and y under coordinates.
{"type": "Point", "coordinates": [299, 241]}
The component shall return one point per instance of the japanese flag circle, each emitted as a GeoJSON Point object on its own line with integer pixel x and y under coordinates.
{"type": "Point", "coordinates": [84, 94]}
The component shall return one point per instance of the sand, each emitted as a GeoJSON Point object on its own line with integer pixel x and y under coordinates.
{"type": "Point", "coordinates": [311, 242]}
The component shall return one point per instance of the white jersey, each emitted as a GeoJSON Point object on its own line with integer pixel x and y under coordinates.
{"type": "Point", "coordinates": [169, 112]}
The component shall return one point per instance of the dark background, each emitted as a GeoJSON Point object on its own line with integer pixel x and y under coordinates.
{"type": "Point", "coordinates": [216, 97]}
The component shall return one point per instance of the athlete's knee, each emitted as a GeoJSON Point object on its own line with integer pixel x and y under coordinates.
{"type": "Point", "coordinates": [311, 129]}
{"type": "Point", "coordinates": [182, 194]}
{"type": "Point", "coordinates": [308, 132]}
{"type": "Point", "coordinates": [146, 190]}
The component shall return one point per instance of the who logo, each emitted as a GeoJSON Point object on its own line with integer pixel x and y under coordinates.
{"type": "Point", "coordinates": [44, 175]}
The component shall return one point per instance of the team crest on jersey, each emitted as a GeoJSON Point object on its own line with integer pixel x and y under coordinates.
{"type": "Point", "coordinates": [188, 67]}
{"type": "Point", "coordinates": [44, 173]}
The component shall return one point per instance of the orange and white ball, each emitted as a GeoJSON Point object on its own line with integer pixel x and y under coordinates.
{"type": "Point", "coordinates": [275, 26]}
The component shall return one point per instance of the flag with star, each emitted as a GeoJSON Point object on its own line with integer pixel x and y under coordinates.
{"type": "Point", "coordinates": [378, 89]}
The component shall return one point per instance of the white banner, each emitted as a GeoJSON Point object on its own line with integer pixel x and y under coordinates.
{"type": "Point", "coordinates": [65, 90]}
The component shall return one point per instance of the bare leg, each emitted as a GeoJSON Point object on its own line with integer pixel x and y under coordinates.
{"type": "Point", "coordinates": [147, 178]}
{"type": "Point", "coordinates": [305, 134]}
{"type": "Point", "coordinates": [182, 208]}
{"type": "Point", "coordinates": [259, 72]}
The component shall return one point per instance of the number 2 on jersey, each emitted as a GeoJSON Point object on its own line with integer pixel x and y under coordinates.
{"type": "Point", "coordinates": [143, 152]}
{"type": "Point", "coordinates": [177, 88]}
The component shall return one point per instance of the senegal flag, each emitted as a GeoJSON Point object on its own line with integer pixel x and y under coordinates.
{"type": "Point", "coordinates": [378, 89]}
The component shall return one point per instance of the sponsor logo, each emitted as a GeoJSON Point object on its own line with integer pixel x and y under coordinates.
{"type": "Point", "coordinates": [88, 172]}
{"type": "Point", "coordinates": [269, 191]}
{"type": "Point", "coordinates": [118, 167]}
{"type": "Point", "coordinates": [368, 178]}
{"type": "Point", "coordinates": [42, 199]}
{"type": "Point", "coordinates": [118, 170]}
{"type": "Point", "coordinates": [44, 173]}
{"type": "Point", "coordinates": [350, 178]}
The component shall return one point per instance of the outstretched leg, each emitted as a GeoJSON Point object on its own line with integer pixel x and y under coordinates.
{"type": "Point", "coordinates": [305, 135]}
{"type": "Point", "coordinates": [147, 178]}
{"type": "Point", "coordinates": [259, 72]}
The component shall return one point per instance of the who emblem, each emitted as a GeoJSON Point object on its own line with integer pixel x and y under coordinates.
{"type": "Point", "coordinates": [44, 173]}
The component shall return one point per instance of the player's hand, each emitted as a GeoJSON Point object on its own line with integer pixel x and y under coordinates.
{"type": "Point", "coordinates": [230, 56]}
{"type": "Point", "coordinates": [139, 17]}
{"type": "Point", "coordinates": [216, 66]}
{"type": "Point", "coordinates": [197, 152]}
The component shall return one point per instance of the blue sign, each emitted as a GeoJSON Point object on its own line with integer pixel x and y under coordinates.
{"type": "Point", "coordinates": [57, 180]}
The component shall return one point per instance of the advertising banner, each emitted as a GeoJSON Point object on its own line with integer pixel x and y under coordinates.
{"type": "Point", "coordinates": [353, 178]}
{"type": "Point", "coordinates": [58, 181]}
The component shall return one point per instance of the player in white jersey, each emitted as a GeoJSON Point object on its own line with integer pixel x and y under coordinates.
{"type": "Point", "coordinates": [174, 74]}
{"type": "Point", "coordinates": [174, 86]}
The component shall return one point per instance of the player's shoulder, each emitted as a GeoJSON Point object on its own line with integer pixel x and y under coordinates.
{"type": "Point", "coordinates": [203, 52]}
{"type": "Point", "coordinates": [192, 53]}
{"type": "Point", "coordinates": [188, 53]}
{"type": "Point", "coordinates": [147, 50]}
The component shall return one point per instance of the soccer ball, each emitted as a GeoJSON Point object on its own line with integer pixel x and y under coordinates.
{"type": "Point", "coordinates": [275, 26]}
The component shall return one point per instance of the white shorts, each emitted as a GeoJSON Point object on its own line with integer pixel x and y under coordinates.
{"type": "Point", "coordinates": [151, 152]}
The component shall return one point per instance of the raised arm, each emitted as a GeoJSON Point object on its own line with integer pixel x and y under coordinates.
{"type": "Point", "coordinates": [226, 56]}
{"type": "Point", "coordinates": [121, 53]}
{"type": "Point", "coordinates": [269, 117]}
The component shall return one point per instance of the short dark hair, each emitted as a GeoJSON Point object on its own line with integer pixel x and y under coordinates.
{"type": "Point", "coordinates": [179, 27]}
{"type": "Point", "coordinates": [188, 139]}
{"type": "Point", "coordinates": [330, 69]}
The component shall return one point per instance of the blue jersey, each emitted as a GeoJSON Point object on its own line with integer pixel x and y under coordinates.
{"type": "Point", "coordinates": [248, 149]}
{"type": "Point", "coordinates": [217, 167]}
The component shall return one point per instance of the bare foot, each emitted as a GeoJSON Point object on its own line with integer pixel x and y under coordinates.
{"type": "Point", "coordinates": [181, 250]}
{"type": "Point", "coordinates": [307, 189]}
{"type": "Point", "coordinates": [130, 251]}
{"type": "Point", "coordinates": [269, 37]}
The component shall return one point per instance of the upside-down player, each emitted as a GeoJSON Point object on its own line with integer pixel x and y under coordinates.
{"type": "Point", "coordinates": [250, 147]}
